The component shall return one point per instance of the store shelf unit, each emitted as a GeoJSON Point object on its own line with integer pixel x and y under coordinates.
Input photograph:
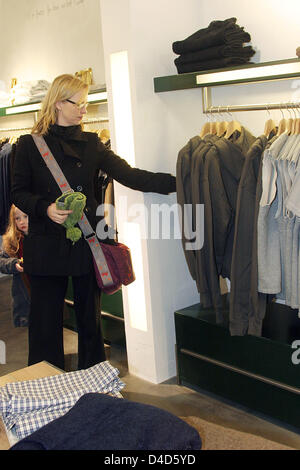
{"type": "Point", "coordinates": [255, 372]}
{"type": "Point", "coordinates": [94, 97]}
{"type": "Point", "coordinates": [250, 73]}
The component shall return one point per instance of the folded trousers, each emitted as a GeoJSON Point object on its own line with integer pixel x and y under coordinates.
{"type": "Point", "coordinates": [46, 320]}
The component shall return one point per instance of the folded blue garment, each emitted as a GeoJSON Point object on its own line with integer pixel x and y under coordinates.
{"type": "Point", "coordinates": [102, 422]}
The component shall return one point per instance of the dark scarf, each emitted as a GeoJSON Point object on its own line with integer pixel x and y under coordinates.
{"type": "Point", "coordinates": [67, 136]}
{"type": "Point", "coordinates": [66, 132]}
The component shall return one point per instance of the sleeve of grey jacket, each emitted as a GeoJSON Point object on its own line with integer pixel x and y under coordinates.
{"type": "Point", "coordinates": [221, 210]}
{"type": "Point", "coordinates": [197, 178]}
{"type": "Point", "coordinates": [184, 197]}
{"type": "Point", "coordinates": [7, 264]}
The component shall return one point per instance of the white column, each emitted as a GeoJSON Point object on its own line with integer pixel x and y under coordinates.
{"type": "Point", "coordinates": [138, 135]}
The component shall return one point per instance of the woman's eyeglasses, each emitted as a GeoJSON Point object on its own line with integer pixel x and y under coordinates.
{"type": "Point", "coordinates": [79, 105]}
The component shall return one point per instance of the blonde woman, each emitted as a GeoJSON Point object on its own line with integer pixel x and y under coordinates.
{"type": "Point", "coordinates": [49, 258]}
{"type": "Point", "coordinates": [11, 254]}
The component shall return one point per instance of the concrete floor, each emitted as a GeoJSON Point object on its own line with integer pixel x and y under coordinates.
{"type": "Point", "coordinates": [179, 400]}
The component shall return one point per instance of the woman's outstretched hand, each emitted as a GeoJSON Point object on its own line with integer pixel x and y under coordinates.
{"type": "Point", "coordinates": [19, 268]}
{"type": "Point", "coordinates": [56, 215]}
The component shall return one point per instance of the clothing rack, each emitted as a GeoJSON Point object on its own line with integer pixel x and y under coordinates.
{"type": "Point", "coordinates": [95, 120]}
{"type": "Point", "coordinates": [86, 121]}
{"type": "Point", "coordinates": [209, 109]}
{"type": "Point", "coordinates": [13, 129]}
{"type": "Point", "coordinates": [204, 349]}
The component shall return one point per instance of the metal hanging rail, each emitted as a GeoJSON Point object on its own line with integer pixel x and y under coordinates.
{"type": "Point", "coordinates": [95, 121]}
{"type": "Point", "coordinates": [86, 121]}
{"type": "Point", "coordinates": [14, 129]}
{"type": "Point", "coordinates": [208, 108]}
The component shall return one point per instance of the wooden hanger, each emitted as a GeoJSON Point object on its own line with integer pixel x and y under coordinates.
{"type": "Point", "coordinates": [212, 127]}
{"type": "Point", "coordinates": [281, 125]}
{"type": "Point", "coordinates": [232, 127]}
{"type": "Point", "coordinates": [294, 124]}
{"type": "Point", "coordinates": [289, 123]}
{"type": "Point", "coordinates": [205, 128]}
{"type": "Point", "coordinates": [221, 127]}
{"type": "Point", "coordinates": [104, 135]}
{"type": "Point", "coordinates": [270, 126]}
{"type": "Point", "coordinates": [297, 126]}
{"type": "Point", "coordinates": [12, 140]}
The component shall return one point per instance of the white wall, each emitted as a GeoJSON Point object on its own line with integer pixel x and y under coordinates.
{"type": "Point", "coordinates": [41, 39]}
{"type": "Point", "coordinates": [273, 24]}
{"type": "Point", "coordinates": [274, 27]}
{"type": "Point", "coordinates": [164, 122]}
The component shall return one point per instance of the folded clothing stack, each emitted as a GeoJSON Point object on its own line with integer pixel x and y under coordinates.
{"type": "Point", "coordinates": [27, 406]}
{"type": "Point", "coordinates": [102, 422]}
{"type": "Point", "coordinates": [5, 99]}
{"type": "Point", "coordinates": [29, 91]}
{"type": "Point", "coordinates": [219, 45]}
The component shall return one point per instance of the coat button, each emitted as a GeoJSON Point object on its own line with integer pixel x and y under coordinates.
{"type": "Point", "coordinates": [87, 209]}
{"type": "Point", "coordinates": [79, 188]}
{"type": "Point", "coordinates": [79, 164]}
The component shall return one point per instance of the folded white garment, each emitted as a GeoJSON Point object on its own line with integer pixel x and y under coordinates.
{"type": "Point", "coordinates": [5, 99]}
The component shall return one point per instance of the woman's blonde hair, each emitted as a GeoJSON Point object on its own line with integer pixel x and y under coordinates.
{"type": "Point", "coordinates": [11, 238]}
{"type": "Point", "coordinates": [62, 88]}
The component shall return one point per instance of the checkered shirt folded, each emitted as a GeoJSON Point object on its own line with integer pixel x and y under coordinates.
{"type": "Point", "coordinates": [27, 406]}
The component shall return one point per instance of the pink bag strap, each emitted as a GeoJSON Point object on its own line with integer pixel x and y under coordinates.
{"type": "Point", "coordinates": [84, 224]}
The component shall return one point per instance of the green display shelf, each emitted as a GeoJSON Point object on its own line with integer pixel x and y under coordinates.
{"type": "Point", "coordinates": [255, 372]}
{"type": "Point", "coordinates": [265, 71]}
{"type": "Point", "coordinates": [94, 97]}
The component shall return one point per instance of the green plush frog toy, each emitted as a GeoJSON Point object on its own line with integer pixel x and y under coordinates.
{"type": "Point", "coordinates": [75, 202]}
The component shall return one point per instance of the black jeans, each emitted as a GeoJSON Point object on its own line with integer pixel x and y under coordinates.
{"type": "Point", "coordinates": [46, 320]}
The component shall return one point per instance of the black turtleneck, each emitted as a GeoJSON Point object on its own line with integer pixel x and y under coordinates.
{"type": "Point", "coordinates": [66, 132]}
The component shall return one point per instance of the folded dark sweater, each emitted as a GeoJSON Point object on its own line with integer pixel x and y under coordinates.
{"type": "Point", "coordinates": [102, 422]}
{"type": "Point", "coordinates": [220, 63]}
{"type": "Point", "coordinates": [234, 50]}
{"type": "Point", "coordinates": [214, 25]}
{"type": "Point", "coordinates": [228, 34]}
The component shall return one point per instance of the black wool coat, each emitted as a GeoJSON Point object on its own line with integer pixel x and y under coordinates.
{"type": "Point", "coordinates": [80, 155]}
